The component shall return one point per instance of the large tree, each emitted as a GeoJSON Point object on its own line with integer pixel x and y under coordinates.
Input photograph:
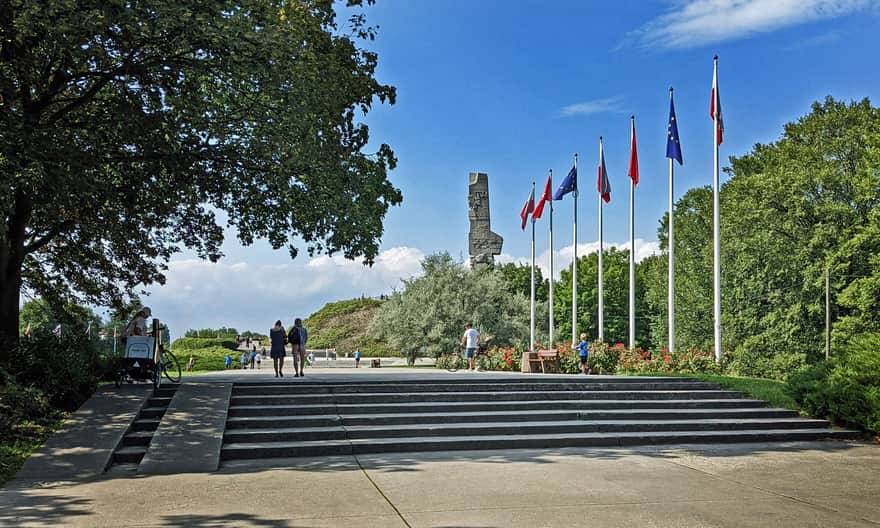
{"type": "Point", "coordinates": [128, 126]}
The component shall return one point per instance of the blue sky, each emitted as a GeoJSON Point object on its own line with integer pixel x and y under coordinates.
{"type": "Point", "coordinates": [514, 88]}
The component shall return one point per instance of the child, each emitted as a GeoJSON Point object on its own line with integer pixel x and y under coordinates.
{"type": "Point", "coordinates": [357, 358]}
{"type": "Point", "coordinates": [190, 364]}
{"type": "Point", "coordinates": [259, 357]}
{"type": "Point", "coordinates": [583, 349]}
{"type": "Point", "coordinates": [228, 361]}
{"type": "Point", "coordinates": [244, 360]}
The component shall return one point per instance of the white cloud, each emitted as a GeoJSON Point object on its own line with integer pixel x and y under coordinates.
{"type": "Point", "coordinates": [816, 40]}
{"type": "Point", "coordinates": [596, 106]}
{"type": "Point", "coordinates": [694, 23]}
{"type": "Point", "coordinates": [562, 257]}
{"type": "Point", "coordinates": [252, 296]}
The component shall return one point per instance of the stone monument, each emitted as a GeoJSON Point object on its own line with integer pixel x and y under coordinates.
{"type": "Point", "coordinates": [483, 244]}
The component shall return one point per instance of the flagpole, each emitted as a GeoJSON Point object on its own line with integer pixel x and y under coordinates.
{"type": "Point", "coordinates": [601, 278]}
{"type": "Point", "coordinates": [532, 321]}
{"type": "Point", "coordinates": [632, 248]}
{"type": "Point", "coordinates": [716, 216]}
{"type": "Point", "coordinates": [671, 256]}
{"type": "Point", "coordinates": [550, 343]}
{"type": "Point", "coordinates": [574, 268]}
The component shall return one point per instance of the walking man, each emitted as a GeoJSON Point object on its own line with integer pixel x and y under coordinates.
{"type": "Point", "coordinates": [297, 338]}
{"type": "Point", "coordinates": [469, 342]}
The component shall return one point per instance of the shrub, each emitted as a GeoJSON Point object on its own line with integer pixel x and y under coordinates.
{"type": "Point", "coordinates": [211, 358]}
{"type": "Point", "coordinates": [754, 359]}
{"type": "Point", "coordinates": [845, 389]}
{"type": "Point", "coordinates": [20, 405]}
{"type": "Point", "coordinates": [192, 343]}
{"type": "Point", "coordinates": [66, 370]}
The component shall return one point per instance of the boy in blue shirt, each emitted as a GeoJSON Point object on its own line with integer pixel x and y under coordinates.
{"type": "Point", "coordinates": [244, 360]}
{"type": "Point", "coordinates": [583, 349]}
{"type": "Point", "coordinates": [228, 361]}
{"type": "Point", "coordinates": [357, 358]}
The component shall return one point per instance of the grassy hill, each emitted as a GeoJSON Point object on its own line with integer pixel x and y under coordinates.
{"type": "Point", "coordinates": [343, 325]}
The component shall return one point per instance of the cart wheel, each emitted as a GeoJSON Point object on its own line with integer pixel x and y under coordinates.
{"type": "Point", "coordinates": [157, 378]}
{"type": "Point", "coordinates": [170, 367]}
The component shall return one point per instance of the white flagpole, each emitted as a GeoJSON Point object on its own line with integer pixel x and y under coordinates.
{"type": "Point", "coordinates": [632, 248]}
{"type": "Point", "coordinates": [574, 267]}
{"type": "Point", "coordinates": [671, 263]}
{"type": "Point", "coordinates": [716, 217]}
{"type": "Point", "coordinates": [532, 322]}
{"type": "Point", "coordinates": [601, 295]}
{"type": "Point", "coordinates": [550, 343]}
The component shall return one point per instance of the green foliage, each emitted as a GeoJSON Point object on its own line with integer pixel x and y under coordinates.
{"type": "Point", "coordinates": [616, 299]}
{"type": "Point", "coordinates": [128, 126]}
{"type": "Point", "coordinates": [427, 318]}
{"type": "Point", "coordinates": [42, 316]}
{"type": "Point", "coordinates": [345, 326]}
{"type": "Point", "coordinates": [26, 421]}
{"type": "Point", "coordinates": [208, 358]}
{"type": "Point", "coordinates": [518, 279]}
{"type": "Point", "coordinates": [845, 389]}
{"type": "Point", "coordinates": [194, 343]}
{"type": "Point", "coordinates": [213, 332]}
{"type": "Point", "coordinates": [66, 370]}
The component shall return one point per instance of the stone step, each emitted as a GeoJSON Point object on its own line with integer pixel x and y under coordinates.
{"type": "Point", "coordinates": [514, 428]}
{"type": "Point", "coordinates": [382, 397]}
{"type": "Point", "coordinates": [145, 424]}
{"type": "Point", "coordinates": [470, 379]}
{"type": "Point", "coordinates": [152, 412]}
{"type": "Point", "coordinates": [267, 389]}
{"type": "Point", "coordinates": [234, 451]}
{"type": "Point", "coordinates": [330, 420]}
{"type": "Point", "coordinates": [137, 438]}
{"type": "Point", "coordinates": [488, 406]}
{"type": "Point", "coordinates": [129, 454]}
{"type": "Point", "coordinates": [159, 401]}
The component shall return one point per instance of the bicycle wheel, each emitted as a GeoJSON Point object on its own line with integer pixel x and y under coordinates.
{"type": "Point", "coordinates": [170, 367]}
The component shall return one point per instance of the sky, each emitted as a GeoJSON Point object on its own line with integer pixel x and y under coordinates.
{"type": "Point", "coordinates": [515, 88]}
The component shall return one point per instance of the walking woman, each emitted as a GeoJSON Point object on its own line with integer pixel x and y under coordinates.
{"type": "Point", "coordinates": [276, 336]}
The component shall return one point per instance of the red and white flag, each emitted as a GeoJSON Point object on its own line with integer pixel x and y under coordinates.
{"type": "Point", "coordinates": [528, 208]}
{"type": "Point", "coordinates": [715, 106]}
{"type": "Point", "coordinates": [633, 172]}
{"type": "Point", "coordinates": [546, 197]}
{"type": "Point", "coordinates": [27, 331]}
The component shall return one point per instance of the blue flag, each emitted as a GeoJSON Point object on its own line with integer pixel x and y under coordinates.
{"type": "Point", "coordinates": [569, 184]}
{"type": "Point", "coordinates": [673, 147]}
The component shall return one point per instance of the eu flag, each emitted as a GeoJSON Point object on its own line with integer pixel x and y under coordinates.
{"type": "Point", "coordinates": [673, 147]}
{"type": "Point", "coordinates": [569, 184]}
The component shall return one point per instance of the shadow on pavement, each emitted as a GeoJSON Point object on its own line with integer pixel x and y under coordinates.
{"type": "Point", "coordinates": [18, 508]}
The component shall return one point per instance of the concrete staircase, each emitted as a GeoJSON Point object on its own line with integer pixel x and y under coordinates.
{"type": "Point", "coordinates": [309, 418]}
{"type": "Point", "coordinates": [140, 433]}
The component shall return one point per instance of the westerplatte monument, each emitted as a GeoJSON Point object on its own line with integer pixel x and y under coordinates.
{"type": "Point", "coordinates": [483, 244]}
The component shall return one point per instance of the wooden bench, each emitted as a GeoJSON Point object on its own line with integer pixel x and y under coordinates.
{"type": "Point", "coordinates": [546, 356]}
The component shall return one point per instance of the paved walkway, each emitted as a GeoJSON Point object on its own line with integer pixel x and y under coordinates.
{"type": "Point", "coordinates": [822, 484]}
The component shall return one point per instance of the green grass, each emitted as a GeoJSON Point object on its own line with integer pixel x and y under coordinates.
{"type": "Point", "coordinates": [24, 439]}
{"type": "Point", "coordinates": [771, 391]}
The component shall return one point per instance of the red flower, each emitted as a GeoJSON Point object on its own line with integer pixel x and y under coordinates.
{"type": "Point", "coordinates": [667, 358]}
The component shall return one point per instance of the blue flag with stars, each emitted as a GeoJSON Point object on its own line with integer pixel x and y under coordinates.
{"type": "Point", "coordinates": [569, 184]}
{"type": "Point", "coordinates": [673, 146]}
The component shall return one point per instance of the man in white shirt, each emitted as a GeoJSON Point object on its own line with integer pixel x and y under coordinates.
{"type": "Point", "coordinates": [469, 342]}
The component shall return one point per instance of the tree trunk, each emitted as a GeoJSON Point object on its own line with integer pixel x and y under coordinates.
{"type": "Point", "coordinates": [10, 289]}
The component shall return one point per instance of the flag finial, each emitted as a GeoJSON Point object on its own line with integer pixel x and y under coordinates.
{"type": "Point", "coordinates": [600, 138]}
{"type": "Point", "coordinates": [715, 58]}
{"type": "Point", "coordinates": [632, 118]}
{"type": "Point", "coordinates": [670, 89]}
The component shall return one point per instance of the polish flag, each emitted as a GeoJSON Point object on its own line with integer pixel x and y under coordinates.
{"type": "Point", "coordinates": [546, 197]}
{"type": "Point", "coordinates": [528, 208]}
{"type": "Point", "coordinates": [715, 106]}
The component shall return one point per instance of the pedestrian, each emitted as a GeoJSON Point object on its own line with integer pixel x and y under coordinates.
{"type": "Point", "coordinates": [244, 360]}
{"type": "Point", "coordinates": [297, 338]}
{"type": "Point", "coordinates": [190, 364]}
{"type": "Point", "coordinates": [583, 349]}
{"type": "Point", "coordinates": [469, 342]}
{"type": "Point", "coordinates": [228, 361]}
{"type": "Point", "coordinates": [253, 359]}
{"type": "Point", "coordinates": [259, 358]}
{"type": "Point", "coordinates": [276, 337]}
{"type": "Point", "coordinates": [357, 358]}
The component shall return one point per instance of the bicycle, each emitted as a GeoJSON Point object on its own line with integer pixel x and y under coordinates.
{"type": "Point", "coordinates": [168, 365]}
{"type": "Point", "coordinates": [458, 362]}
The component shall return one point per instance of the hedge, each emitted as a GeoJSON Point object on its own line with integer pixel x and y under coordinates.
{"type": "Point", "coordinates": [193, 343]}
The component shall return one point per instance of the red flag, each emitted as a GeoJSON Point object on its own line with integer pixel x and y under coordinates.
{"type": "Point", "coordinates": [715, 106]}
{"type": "Point", "coordinates": [634, 157]}
{"type": "Point", "coordinates": [602, 182]}
{"type": "Point", "coordinates": [546, 197]}
{"type": "Point", "coordinates": [528, 208]}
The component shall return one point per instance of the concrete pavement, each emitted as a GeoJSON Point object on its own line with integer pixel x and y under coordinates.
{"type": "Point", "coordinates": [818, 484]}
